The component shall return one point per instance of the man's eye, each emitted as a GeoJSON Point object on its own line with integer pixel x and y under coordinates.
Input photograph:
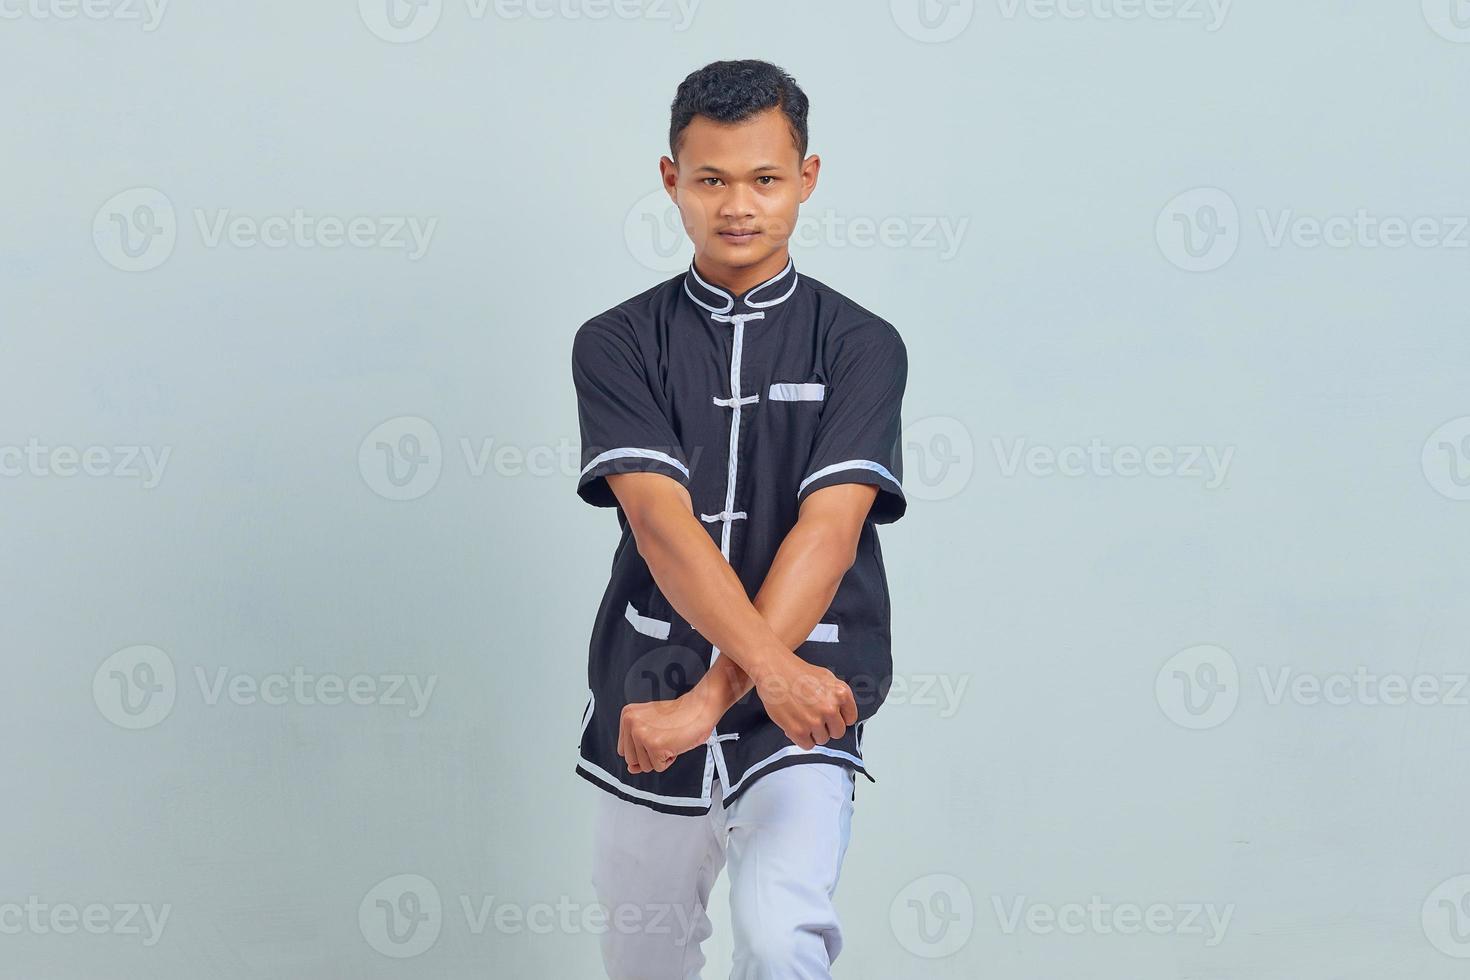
{"type": "Point", "coordinates": [711, 178]}
{"type": "Point", "coordinates": [765, 177]}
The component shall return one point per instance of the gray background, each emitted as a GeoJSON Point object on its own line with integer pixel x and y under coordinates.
{"type": "Point", "coordinates": [1100, 744]}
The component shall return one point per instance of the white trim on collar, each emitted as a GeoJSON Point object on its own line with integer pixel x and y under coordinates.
{"type": "Point", "coordinates": [715, 293]}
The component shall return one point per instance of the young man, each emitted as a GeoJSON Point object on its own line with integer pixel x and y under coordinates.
{"type": "Point", "coordinates": [744, 421]}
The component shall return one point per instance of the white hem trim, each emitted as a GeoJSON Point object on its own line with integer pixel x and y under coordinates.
{"type": "Point", "coordinates": [791, 750]}
{"type": "Point", "coordinates": [642, 794]}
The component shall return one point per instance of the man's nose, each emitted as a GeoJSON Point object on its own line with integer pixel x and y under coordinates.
{"type": "Point", "coordinates": [738, 203]}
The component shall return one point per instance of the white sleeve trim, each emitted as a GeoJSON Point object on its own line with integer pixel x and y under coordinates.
{"type": "Point", "coordinates": [630, 451]}
{"type": "Point", "coordinates": [851, 464]}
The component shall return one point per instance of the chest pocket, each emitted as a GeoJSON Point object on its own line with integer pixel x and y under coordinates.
{"type": "Point", "coordinates": [797, 391]}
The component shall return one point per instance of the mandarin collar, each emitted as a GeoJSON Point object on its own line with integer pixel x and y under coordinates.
{"type": "Point", "coordinates": [716, 300]}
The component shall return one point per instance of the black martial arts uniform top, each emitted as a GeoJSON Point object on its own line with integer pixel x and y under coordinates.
{"type": "Point", "coordinates": [752, 402]}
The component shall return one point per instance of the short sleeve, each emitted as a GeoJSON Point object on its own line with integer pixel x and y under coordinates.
{"type": "Point", "coordinates": [623, 429]}
{"type": "Point", "coordinates": [859, 437]}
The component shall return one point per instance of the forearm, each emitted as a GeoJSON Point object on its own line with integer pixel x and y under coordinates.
{"type": "Point", "coordinates": [797, 591]}
{"type": "Point", "coordinates": [700, 584]}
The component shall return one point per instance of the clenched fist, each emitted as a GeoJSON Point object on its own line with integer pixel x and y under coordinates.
{"type": "Point", "coordinates": [810, 703]}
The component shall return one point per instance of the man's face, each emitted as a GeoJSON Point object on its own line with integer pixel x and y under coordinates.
{"type": "Point", "coordinates": [738, 187]}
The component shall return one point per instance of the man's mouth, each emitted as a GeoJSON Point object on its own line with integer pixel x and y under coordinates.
{"type": "Point", "coordinates": [739, 234]}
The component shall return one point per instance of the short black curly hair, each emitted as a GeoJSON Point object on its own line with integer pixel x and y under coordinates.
{"type": "Point", "coordinates": [733, 91]}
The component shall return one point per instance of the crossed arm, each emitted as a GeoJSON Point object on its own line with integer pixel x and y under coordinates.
{"type": "Point", "coordinates": [756, 640]}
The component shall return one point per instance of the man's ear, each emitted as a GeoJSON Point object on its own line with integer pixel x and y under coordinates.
{"type": "Point", "coordinates": [809, 170]}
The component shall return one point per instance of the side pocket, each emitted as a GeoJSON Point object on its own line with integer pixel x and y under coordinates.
{"type": "Point", "coordinates": [823, 633]}
{"type": "Point", "coordinates": [647, 625]}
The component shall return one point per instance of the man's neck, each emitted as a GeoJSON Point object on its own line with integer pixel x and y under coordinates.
{"type": "Point", "coordinates": [737, 281]}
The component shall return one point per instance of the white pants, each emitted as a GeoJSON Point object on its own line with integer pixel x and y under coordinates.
{"type": "Point", "coordinates": [785, 837]}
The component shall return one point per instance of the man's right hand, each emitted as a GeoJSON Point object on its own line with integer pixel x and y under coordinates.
{"type": "Point", "coordinates": [810, 704]}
